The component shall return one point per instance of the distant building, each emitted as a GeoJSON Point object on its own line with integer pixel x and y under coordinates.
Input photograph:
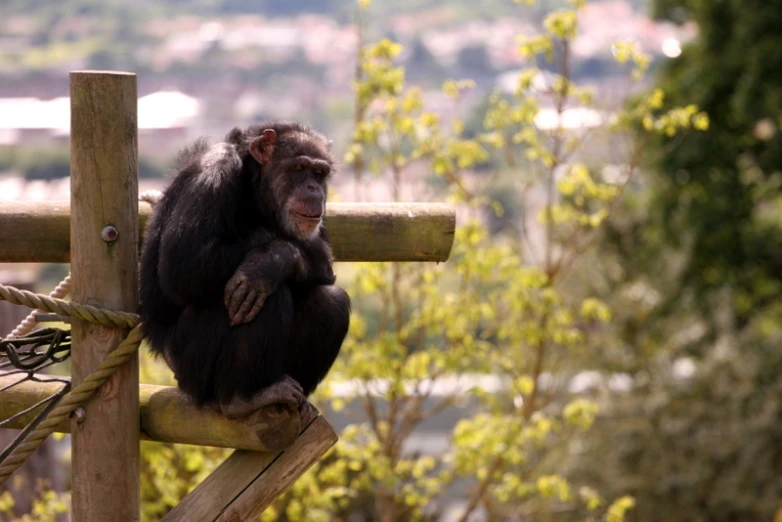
{"type": "Point", "coordinates": [164, 119]}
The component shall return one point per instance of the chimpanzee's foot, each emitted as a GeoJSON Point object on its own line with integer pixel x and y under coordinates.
{"type": "Point", "coordinates": [285, 393]}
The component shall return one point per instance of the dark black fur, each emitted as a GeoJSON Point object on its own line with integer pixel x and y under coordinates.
{"type": "Point", "coordinates": [203, 228]}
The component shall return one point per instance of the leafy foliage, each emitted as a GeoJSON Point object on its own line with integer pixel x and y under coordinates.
{"type": "Point", "coordinates": [692, 270]}
{"type": "Point", "coordinates": [492, 333]}
{"type": "Point", "coordinates": [47, 505]}
{"type": "Point", "coordinates": [722, 186]}
{"type": "Point", "coordinates": [487, 312]}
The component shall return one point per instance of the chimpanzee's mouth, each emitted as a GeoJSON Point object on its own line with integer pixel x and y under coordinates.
{"type": "Point", "coordinates": [313, 217]}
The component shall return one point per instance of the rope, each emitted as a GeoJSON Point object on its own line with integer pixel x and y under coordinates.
{"type": "Point", "coordinates": [29, 322]}
{"type": "Point", "coordinates": [77, 396]}
{"type": "Point", "coordinates": [92, 314]}
{"type": "Point", "coordinates": [62, 289]}
{"type": "Point", "coordinates": [71, 401]}
{"type": "Point", "coordinates": [86, 389]}
{"type": "Point", "coordinates": [150, 196]}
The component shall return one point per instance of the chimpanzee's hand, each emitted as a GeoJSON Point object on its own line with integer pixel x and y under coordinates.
{"type": "Point", "coordinates": [244, 296]}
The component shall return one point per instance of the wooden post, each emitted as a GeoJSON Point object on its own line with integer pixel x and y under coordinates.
{"type": "Point", "coordinates": [104, 192]}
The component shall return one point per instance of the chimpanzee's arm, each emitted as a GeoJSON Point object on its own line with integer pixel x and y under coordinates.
{"type": "Point", "coordinates": [280, 260]}
{"type": "Point", "coordinates": [265, 267]}
{"type": "Point", "coordinates": [277, 259]}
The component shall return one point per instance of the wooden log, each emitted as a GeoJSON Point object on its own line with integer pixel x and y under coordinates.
{"type": "Point", "coordinates": [37, 232]}
{"type": "Point", "coordinates": [166, 415]}
{"type": "Point", "coordinates": [248, 482]}
{"type": "Point", "coordinates": [391, 231]}
{"type": "Point", "coordinates": [104, 192]}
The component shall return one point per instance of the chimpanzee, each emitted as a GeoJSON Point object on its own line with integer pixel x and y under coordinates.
{"type": "Point", "coordinates": [237, 286]}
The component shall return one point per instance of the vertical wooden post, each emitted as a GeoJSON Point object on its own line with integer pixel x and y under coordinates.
{"type": "Point", "coordinates": [104, 192]}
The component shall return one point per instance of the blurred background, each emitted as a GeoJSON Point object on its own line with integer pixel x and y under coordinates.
{"type": "Point", "coordinates": [603, 344]}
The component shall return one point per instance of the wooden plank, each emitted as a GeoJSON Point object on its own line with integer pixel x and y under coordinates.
{"type": "Point", "coordinates": [166, 415]}
{"type": "Point", "coordinates": [248, 482]}
{"type": "Point", "coordinates": [217, 491]}
{"type": "Point", "coordinates": [104, 191]}
{"type": "Point", "coordinates": [37, 232]}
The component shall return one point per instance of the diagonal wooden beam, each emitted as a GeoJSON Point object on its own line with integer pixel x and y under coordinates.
{"type": "Point", "coordinates": [248, 482]}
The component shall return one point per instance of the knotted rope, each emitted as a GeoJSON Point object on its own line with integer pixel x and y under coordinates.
{"type": "Point", "coordinates": [80, 394]}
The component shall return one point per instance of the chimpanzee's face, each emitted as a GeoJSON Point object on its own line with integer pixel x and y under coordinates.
{"type": "Point", "coordinates": [305, 205]}
{"type": "Point", "coordinates": [298, 165]}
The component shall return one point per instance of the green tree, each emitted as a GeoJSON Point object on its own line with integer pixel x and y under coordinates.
{"type": "Point", "coordinates": [500, 308]}
{"type": "Point", "coordinates": [488, 311]}
{"type": "Point", "coordinates": [718, 192]}
{"type": "Point", "coordinates": [694, 268]}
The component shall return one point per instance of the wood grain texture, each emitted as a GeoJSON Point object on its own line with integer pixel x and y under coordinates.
{"type": "Point", "coordinates": [248, 482]}
{"type": "Point", "coordinates": [104, 191]}
{"type": "Point", "coordinates": [166, 414]}
{"type": "Point", "coordinates": [221, 487]}
{"type": "Point", "coordinates": [37, 232]}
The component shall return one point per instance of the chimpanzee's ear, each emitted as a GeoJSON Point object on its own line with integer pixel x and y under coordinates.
{"type": "Point", "coordinates": [262, 147]}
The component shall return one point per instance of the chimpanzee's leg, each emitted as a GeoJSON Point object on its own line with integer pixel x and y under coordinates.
{"type": "Point", "coordinates": [250, 370]}
{"type": "Point", "coordinates": [320, 323]}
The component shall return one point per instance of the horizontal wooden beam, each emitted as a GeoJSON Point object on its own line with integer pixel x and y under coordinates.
{"type": "Point", "coordinates": [39, 232]}
{"type": "Point", "coordinates": [167, 415]}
